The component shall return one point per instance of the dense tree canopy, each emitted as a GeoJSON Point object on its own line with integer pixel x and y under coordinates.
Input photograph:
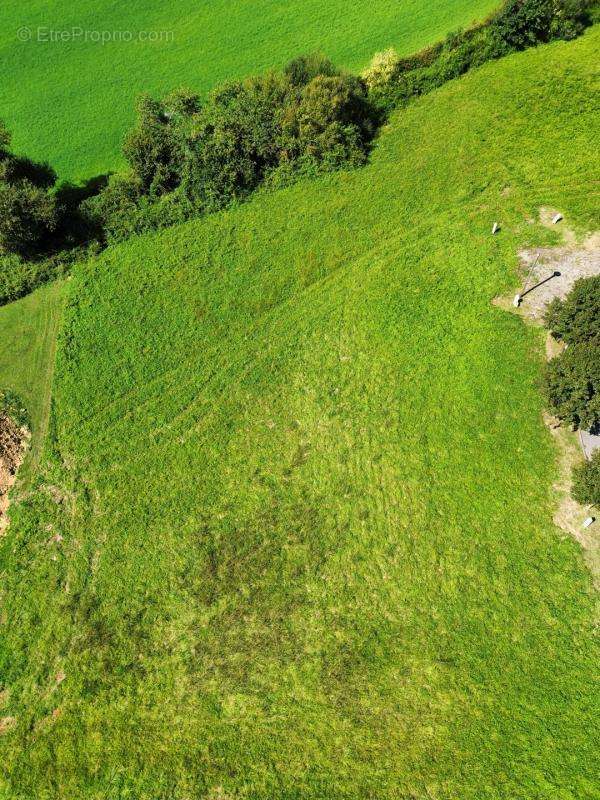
{"type": "Point", "coordinates": [586, 482]}
{"type": "Point", "coordinates": [28, 211]}
{"type": "Point", "coordinates": [523, 23]}
{"type": "Point", "coordinates": [572, 385]}
{"type": "Point", "coordinates": [576, 319]}
{"type": "Point", "coordinates": [187, 158]}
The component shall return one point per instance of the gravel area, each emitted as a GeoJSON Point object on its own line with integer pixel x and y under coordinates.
{"type": "Point", "coordinates": [589, 443]}
{"type": "Point", "coordinates": [552, 272]}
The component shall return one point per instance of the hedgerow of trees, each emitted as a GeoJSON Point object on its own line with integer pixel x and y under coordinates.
{"type": "Point", "coordinates": [191, 157]}
{"type": "Point", "coordinates": [188, 157]}
{"type": "Point", "coordinates": [519, 24]}
{"type": "Point", "coordinates": [572, 380]}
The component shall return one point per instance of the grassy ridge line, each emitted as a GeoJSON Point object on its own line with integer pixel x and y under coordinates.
{"type": "Point", "coordinates": [80, 95]}
{"type": "Point", "coordinates": [311, 554]}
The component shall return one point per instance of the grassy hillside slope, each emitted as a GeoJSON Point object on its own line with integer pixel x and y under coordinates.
{"type": "Point", "coordinates": [80, 94]}
{"type": "Point", "coordinates": [303, 489]}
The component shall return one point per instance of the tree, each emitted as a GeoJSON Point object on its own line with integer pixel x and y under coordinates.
{"type": "Point", "coordinates": [28, 215]}
{"type": "Point", "coordinates": [28, 211]}
{"type": "Point", "coordinates": [586, 482]}
{"type": "Point", "coordinates": [304, 69]}
{"type": "Point", "coordinates": [382, 69]}
{"type": "Point", "coordinates": [155, 147]}
{"type": "Point", "coordinates": [572, 385]}
{"type": "Point", "coordinates": [330, 125]}
{"type": "Point", "coordinates": [235, 140]}
{"type": "Point", "coordinates": [576, 319]}
{"type": "Point", "coordinates": [112, 214]}
{"type": "Point", "coordinates": [187, 158]}
{"type": "Point", "coordinates": [525, 23]}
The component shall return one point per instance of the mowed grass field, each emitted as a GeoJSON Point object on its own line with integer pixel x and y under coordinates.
{"type": "Point", "coordinates": [28, 330]}
{"type": "Point", "coordinates": [304, 488]}
{"type": "Point", "coordinates": [70, 99]}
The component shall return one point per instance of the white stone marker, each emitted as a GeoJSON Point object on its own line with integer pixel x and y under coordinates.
{"type": "Point", "coordinates": [588, 522]}
{"type": "Point", "coordinates": [556, 218]}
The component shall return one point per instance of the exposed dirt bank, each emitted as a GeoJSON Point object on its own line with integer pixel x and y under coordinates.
{"type": "Point", "coordinates": [13, 445]}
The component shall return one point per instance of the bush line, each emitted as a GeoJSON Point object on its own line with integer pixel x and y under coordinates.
{"type": "Point", "coordinates": [571, 381]}
{"type": "Point", "coordinates": [187, 158]}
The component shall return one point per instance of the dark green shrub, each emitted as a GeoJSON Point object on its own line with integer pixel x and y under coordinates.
{"type": "Point", "coordinates": [330, 125]}
{"type": "Point", "coordinates": [112, 212]}
{"type": "Point", "coordinates": [75, 228]}
{"type": "Point", "coordinates": [155, 148]}
{"type": "Point", "coordinates": [525, 23]}
{"type": "Point", "coordinates": [235, 140]}
{"type": "Point", "coordinates": [571, 385]}
{"type": "Point", "coordinates": [28, 216]}
{"type": "Point", "coordinates": [14, 277]}
{"type": "Point", "coordinates": [28, 212]}
{"type": "Point", "coordinates": [586, 482]}
{"type": "Point", "coordinates": [121, 210]}
{"type": "Point", "coordinates": [19, 276]}
{"type": "Point", "coordinates": [576, 318]}
{"type": "Point", "coordinates": [304, 69]}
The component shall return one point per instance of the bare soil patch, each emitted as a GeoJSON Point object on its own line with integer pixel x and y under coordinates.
{"type": "Point", "coordinates": [551, 273]}
{"type": "Point", "coordinates": [6, 723]}
{"type": "Point", "coordinates": [14, 440]}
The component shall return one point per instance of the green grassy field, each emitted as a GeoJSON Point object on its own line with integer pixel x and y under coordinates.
{"type": "Point", "coordinates": [28, 331]}
{"type": "Point", "coordinates": [304, 488]}
{"type": "Point", "coordinates": [80, 94]}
